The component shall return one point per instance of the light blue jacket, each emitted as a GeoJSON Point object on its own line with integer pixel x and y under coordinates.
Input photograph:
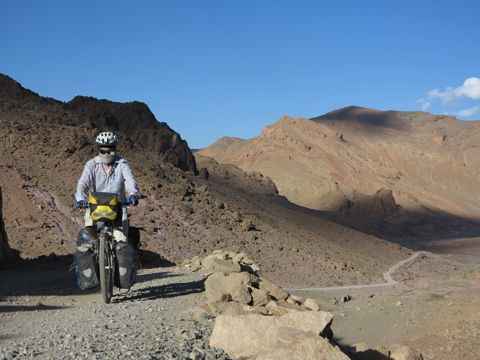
{"type": "Point", "coordinates": [119, 180]}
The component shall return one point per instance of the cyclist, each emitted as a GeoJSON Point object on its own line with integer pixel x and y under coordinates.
{"type": "Point", "coordinates": [107, 172]}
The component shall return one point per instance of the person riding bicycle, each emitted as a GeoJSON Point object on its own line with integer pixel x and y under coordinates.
{"type": "Point", "coordinates": [110, 173]}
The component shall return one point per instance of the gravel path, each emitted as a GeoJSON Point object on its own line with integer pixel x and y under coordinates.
{"type": "Point", "coordinates": [46, 317]}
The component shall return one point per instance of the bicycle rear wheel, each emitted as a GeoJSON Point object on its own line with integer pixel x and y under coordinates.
{"type": "Point", "coordinates": [106, 267]}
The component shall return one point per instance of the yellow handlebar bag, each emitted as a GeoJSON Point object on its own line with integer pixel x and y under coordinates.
{"type": "Point", "coordinates": [103, 206]}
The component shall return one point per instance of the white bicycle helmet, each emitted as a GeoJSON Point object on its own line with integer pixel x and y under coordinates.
{"type": "Point", "coordinates": [106, 138]}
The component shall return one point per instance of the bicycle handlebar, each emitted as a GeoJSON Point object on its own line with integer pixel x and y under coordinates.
{"type": "Point", "coordinates": [123, 203]}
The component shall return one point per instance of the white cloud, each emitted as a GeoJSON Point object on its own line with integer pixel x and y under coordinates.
{"type": "Point", "coordinates": [470, 90]}
{"type": "Point", "coordinates": [424, 105]}
{"type": "Point", "coordinates": [468, 112]}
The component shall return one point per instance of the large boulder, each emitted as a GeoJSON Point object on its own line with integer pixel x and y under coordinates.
{"type": "Point", "coordinates": [221, 286]}
{"type": "Point", "coordinates": [229, 308]}
{"type": "Point", "coordinates": [277, 292]}
{"type": "Point", "coordinates": [252, 335]}
{"type": "Point", "coordinates": [260, 297]}
{"type": "Point", "coordinates": [311, 304]}
{"type": "Point", "coordinates": [233, 277]}
{"type": "Point", "coordinates": [301, 347]}
{"type": "Point", "coordinates": [212, 264]}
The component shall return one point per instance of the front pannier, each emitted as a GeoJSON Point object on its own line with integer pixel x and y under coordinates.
{"type": "Point", "coordinates": [127, 265]}
{"type": "Point", "coordinates": [103, 206]}
{"type": "Point", "coordinates": [85, 270]}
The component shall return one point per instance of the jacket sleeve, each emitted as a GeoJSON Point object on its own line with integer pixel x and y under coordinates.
{"type": "Point", "coordinates": [84, 182]}
{"type": "Point", "coordinates": [130, 183]}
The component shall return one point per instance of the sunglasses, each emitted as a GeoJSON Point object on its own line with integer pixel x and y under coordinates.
{"type": "Point", "coordinates": [106, 151]}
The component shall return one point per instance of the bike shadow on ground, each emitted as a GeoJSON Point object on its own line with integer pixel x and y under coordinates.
{"type": "Point", "coordinates": [53, 276]}
{"type": "Point", "coordinates": [44, 276]}
{"type": "Point", "coordinates": [145, 277]}
{"type": "Point", "coordinates": [166, 291]}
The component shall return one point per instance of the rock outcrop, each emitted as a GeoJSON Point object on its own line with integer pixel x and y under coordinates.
{"type": "Point", "coordinates": [234, 286]}
{"type": "Point", "coordinates": [256, 319]}
{"type": "Point", "coordinates": [295, 335]}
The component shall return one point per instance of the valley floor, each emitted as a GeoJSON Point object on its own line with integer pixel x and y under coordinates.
{"type": "Point", "coordinates": [434, 306]}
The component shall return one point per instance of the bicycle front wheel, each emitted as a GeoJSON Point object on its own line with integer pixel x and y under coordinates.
{"type": "Point", "coordinates": [106, 268]}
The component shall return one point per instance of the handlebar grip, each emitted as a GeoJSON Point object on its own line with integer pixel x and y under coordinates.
{"type": "Point", "coordinates": [81, 205]}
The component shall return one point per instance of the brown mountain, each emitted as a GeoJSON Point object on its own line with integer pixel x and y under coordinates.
{"type": "Point", "coordinates": [387, 172]}
{"type": "Point", "coordinates": [45, 144]}
{"type": "Point", "coordinates": [133, 121]}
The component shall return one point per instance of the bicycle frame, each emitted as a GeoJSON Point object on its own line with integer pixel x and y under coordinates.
{"type": "Point", "coordinates": [106, 259]}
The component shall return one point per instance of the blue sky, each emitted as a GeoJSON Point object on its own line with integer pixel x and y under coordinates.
{"type": "Point", "coordinates": [214, 68]}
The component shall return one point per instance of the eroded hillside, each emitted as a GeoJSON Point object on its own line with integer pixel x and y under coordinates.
{"type": "Point", "coordinates": [390, 172]}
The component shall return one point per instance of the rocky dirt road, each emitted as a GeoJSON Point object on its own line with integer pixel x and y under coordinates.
{"type": "Point", "coordinates": [389, 281]}
{"type": "Point", "coordinates": [44, 316]}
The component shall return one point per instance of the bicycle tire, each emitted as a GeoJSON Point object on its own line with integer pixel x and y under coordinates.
{"type": "Point", "coordinates": [105, 268]}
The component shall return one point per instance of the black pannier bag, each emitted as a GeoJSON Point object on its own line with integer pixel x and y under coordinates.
{"type": "Point", "coordinates": [127, 265]}
{"type": "Point", "coordinates": [85, 270]}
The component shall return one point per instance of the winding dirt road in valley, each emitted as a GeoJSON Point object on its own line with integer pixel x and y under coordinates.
{"type": "Point", "coordinates": [386, 275]}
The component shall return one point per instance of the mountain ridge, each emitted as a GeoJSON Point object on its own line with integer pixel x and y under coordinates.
{"type": "Point", "coordinates": [336, 162]}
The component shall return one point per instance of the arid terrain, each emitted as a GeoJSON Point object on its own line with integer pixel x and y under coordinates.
{"type": "Point", "coordinates": [335, 208]}
{"type": "Point", "coordinates": [389, 173]}
{"type": "Point", "coordinates": [45, 144]}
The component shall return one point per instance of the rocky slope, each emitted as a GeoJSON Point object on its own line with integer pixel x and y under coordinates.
{"type": "Point", "coordinates": [45, 144]}
{"type": "Point", "coordinates": [133, 121]}
{"type": "Point", "coordinates": [397, 173]}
